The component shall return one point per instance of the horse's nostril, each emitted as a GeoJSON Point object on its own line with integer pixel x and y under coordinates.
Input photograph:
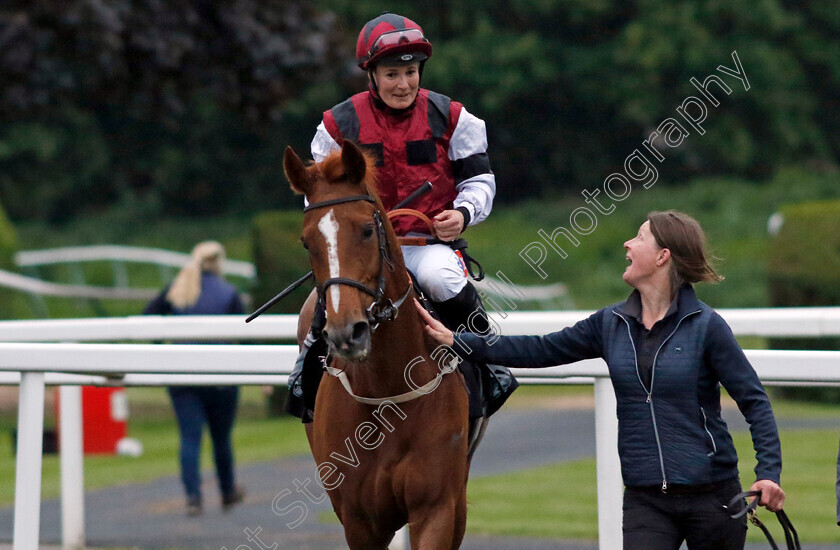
{"type": "Point", "coordinates": [360, 329]}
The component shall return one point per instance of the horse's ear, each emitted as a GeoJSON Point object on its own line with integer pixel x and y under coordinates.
{"type": "Point", "coordinates": [353, 160]}
{"type": "Point", "coordinates": [296, 172]}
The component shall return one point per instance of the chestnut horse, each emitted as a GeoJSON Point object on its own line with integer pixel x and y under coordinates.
{"type": "Point", "coordinates": [390, 429]}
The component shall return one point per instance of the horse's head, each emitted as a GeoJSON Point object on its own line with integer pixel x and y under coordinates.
{"type": "Point", "coordinates": [343, 231]}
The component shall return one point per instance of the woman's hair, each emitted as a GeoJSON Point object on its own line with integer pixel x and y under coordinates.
{"type": "Point", "coordinates": [683, 236]}
{"type": "Point", "coordinates": [185, 289]}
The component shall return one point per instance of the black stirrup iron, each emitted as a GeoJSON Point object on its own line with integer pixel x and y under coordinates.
{"type": "Point", "coordinates": [791, 536]}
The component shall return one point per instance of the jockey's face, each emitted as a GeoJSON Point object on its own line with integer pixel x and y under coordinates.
{"type": "Point", "coordinates": [398, 84]}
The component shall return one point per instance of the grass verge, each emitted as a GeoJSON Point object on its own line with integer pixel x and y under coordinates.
{"type": "Point", "coordinates": [559, 500]}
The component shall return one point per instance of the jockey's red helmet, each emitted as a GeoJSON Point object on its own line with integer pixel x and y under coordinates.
{"type": "Point", "coordinates": [394, 38]}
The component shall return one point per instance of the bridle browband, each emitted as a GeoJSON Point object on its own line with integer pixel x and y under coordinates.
{"type": "Point", "coordinates": [382, 309]}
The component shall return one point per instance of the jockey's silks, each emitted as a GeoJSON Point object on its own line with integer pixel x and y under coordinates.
{"type": "Point", "coordinates": [410, 146]}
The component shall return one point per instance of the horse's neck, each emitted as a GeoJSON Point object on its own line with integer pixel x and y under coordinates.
{"type": "Point", "coordinates": [395, 347]}
{"type": "Point", "coordinates": [404, 336]}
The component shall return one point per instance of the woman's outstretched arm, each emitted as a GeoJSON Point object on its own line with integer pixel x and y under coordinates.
{"type": "Point", "coordinates": [580, 341]}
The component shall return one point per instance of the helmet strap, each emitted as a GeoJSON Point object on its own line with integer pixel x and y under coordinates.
{"type": "Point", "coordinates": [372, 83]}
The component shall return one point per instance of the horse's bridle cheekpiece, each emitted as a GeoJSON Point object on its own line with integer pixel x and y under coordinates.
{"type": "Point", "coordinates": [382, 309]}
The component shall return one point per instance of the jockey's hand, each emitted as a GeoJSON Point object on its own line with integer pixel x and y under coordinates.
{"type": "Point", "coordinates": [434, 328]}
{"type": "Point", "coordinates": [448, 225]}
{"type": "Point", "coordinates": [772, 496]}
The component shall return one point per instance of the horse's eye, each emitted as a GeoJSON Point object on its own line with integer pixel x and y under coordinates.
{"type": "Point", "coordinates": [367, 232]}
{"type": "Point", "coordinates": [303, 242]}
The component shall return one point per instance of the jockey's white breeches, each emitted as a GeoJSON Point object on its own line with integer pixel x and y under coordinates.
{"type": "Point", "coordinates": [439, 270]}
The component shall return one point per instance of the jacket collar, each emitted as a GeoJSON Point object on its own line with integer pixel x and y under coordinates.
{"type": "Point", "coordinates": [684, 302]}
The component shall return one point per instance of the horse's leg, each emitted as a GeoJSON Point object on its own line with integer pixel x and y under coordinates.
{"type": "Point", "coordinates": [361, 535]}
{"type": "Point", "coordinates": [460, 520]}
{"type": "Point", "coordinates": [439, 527]}
{"type": "Point", "coordinates": [476, 440]}
{"type": "Point", "coordinates": [308, 429]}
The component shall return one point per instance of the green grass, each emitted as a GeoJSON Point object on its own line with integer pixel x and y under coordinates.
{"type": "Point", "coordinates": [559, 500]}
{"type": "Point", "coordinates": [808, 478]}
{"type": "Point", "coordinates": [255, 438]}
{"type": "Point", "coordinates": [556, 501]}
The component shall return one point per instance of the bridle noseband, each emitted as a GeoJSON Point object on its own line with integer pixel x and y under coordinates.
{"type": "Point", "coordinates": [382, 309]}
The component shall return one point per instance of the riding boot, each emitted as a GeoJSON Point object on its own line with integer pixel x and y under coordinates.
{"type": "Point", "coordinates": [306, 375]}
{"type": "Point", "coordinates": [490, 384]}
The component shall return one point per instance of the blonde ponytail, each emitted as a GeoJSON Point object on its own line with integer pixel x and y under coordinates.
{"type": "Point", "coordinates": [186, 288]}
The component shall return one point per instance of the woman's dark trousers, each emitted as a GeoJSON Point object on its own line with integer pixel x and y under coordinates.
{"type": "Point", "coordinates": [215, 406]}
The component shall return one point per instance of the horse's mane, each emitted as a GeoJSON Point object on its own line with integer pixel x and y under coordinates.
{"type": "Point", "coordinates": [332, 171]}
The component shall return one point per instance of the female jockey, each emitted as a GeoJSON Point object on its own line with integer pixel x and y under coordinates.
{"type": "Point", "coordinates": [417, 135]}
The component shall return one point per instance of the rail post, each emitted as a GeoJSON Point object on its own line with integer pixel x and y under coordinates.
{"type": "Point", "coordinates": [30, 445]}
{"type": "Point", "coordinates": [72, 468]}
{"type": "Point", "coordinates": [610, 485]}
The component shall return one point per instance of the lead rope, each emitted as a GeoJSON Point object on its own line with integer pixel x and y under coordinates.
{"type": "Point", "coordinates": [791, 536]}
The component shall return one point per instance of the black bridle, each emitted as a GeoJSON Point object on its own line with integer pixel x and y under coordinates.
{"type": "Point", "coordinates": [382, 309]}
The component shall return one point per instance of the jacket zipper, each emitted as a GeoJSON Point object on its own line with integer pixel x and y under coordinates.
{"type": "Point", "coordinates": [706, 427]}
{"type": "Point", "coordinates": [649, 392]}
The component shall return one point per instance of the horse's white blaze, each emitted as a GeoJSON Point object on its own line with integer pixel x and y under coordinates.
{"type": "Point", "coordinates": [329, 229]}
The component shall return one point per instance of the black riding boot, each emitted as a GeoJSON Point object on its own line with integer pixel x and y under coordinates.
{"type": "Point", "coordinates": [489, 385]}
{"type": "Point", "coordinates": [306, 376]}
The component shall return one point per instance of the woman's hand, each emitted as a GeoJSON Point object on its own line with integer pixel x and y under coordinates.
{"type": "Point", "coordinates": [435, 328]}
{"type": "Point", "coordinates": [448, 225]}
{"type": "Point", "coordinates": [772, 496]}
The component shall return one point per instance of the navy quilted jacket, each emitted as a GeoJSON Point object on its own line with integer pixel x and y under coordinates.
{"type": "Point", "coordinates": [671, 432]}
{"type": "Point", "coordinates": [217, 297]}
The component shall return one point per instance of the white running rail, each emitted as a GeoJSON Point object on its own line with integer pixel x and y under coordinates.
{"type": "Point", "coordinates": [36, 353]}
{"type": "Point", "coordinates": [94, 253]}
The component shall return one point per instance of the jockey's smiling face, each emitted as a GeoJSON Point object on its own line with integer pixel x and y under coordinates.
{"type": "Point", "coordinates": [398, 84]}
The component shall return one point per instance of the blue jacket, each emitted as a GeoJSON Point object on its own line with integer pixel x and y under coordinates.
{"type": "Point", "coordinates": [672, 432]}
{"type": "Point", "coordinates": [217, 297]}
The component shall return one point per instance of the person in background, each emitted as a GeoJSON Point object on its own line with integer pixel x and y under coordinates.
{"type": "Point", "coordinates": [199, 289]}
{"type": "Point", "coordinates": [668, 355]}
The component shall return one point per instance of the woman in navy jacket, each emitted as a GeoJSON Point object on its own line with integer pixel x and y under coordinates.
{"type": "Point", "coordinates": [668, 353]}
{"type": "Point", "coordinates": [200, 289]}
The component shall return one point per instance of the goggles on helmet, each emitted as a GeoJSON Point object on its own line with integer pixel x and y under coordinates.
{"type": "Point", "coordinates": [396, 38]}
